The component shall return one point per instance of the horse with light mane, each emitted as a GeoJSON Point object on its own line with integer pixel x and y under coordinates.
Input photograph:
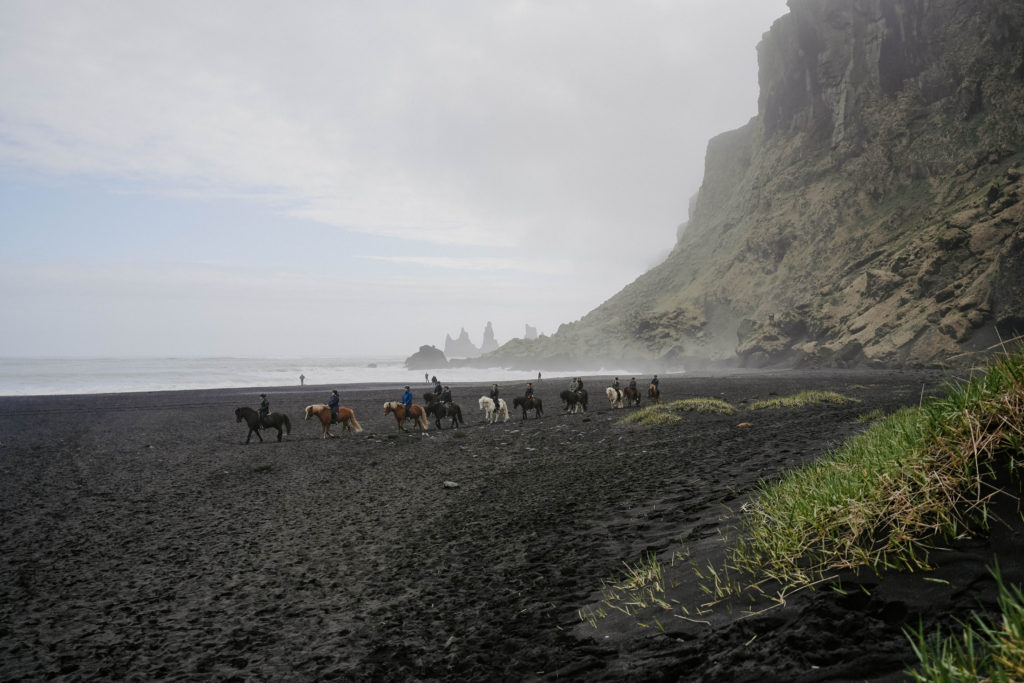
{"type": "Point", "coordinates": [491, 412]}
{"type": "Point", "coordinates": [416, 413]}
{"type": "Point", "coordinates": [346, 417]}
{"type": "Point", "coordinates": [614, 399]}
{"type": "Point", "coordinates": [654, 394]}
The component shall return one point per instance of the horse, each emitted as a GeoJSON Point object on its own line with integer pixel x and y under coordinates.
{"type": "Point", "coordinates": [272, 421]}
{"type": "Point", "coordinates": [654, 394]}
{"type": "Point", "coordinates": [574, 401]}
{"type": "Point", "coordinates": [632, 396]}
{"type": "Point", "coordinates": [614, 398]}
{"type": "Point", "coordinates": [526, 404]}
{"type": "Point", "coordinates": [416, 413]}
{"type": "Point", "coordinates": [491, 412]}
{"type": "Point", "coordinates": [440, 410]}
{"type": "Point", "coordinates": [345, 416]}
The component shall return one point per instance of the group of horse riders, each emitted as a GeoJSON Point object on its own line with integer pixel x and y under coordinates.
{"type": "Point", "coordinates": [444, 395]}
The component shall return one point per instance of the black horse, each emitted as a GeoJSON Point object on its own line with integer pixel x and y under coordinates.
{"type": "Point", "coordinates": [441, 410]}
{"type": "Point", "coordinates": [528, 404]}
{"type": "Point", "coordinates": [572, 400]}
{"type": "Point", "coordinates": [273, 421]}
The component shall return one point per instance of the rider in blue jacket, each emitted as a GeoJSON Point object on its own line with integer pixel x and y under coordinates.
{"type": "Point", "coordinates": [407, 399]}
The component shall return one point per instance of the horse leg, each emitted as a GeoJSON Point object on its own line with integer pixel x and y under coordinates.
{"type": "Point", "coordinates": [280, 434]}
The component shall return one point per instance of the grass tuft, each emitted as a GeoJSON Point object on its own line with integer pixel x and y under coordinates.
{"type": "Point", "coordinates": [804, 398]}
{"type": "Point", "coordinates": [881, 497]}
{"type": "Point", "coordinates": [982, 652]}
{"type": "Point", "coordinates": [666, 413]}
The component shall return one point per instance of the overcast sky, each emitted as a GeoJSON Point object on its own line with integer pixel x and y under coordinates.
{"type": "Point", "coordinates": [347, 178]}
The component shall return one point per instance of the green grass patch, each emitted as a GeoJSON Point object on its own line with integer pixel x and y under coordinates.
{"type": "Point", "coordinates": [880, 499]}
{"type": "Point", "coordinates": [982, 652]}
{"type": "Point", "coordinates": [804, 398]}
{"type": "Point", "coordinates": [667, 413]}
{"type": "Point", "coordinates": [871, 416]}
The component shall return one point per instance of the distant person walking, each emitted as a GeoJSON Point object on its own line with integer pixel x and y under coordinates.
{"type": "Point", "coordinates": [264, 410]}
{"type": "Point", "coordinates": [302, 380]}
{"type": "Point", "coordinates": [426, 377]}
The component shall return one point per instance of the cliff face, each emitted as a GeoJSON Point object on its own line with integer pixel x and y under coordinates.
{"type": "Point", "coordinates": [871, 213]}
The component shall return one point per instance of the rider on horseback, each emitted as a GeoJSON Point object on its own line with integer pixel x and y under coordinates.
{"type": "Point", "coordinates": [573, 385]}
{"type": "Point", "coordinates": [264, 410]}
{"type": "Point", "coordinates": [407, 400]}
{"type": "Point", "coordinates": [632, 387]}
{"type": "Point", "coordinates": [529, 390]}
{"type": "Point", "coordinates": [494, 395]}
{"type": "Point", "coordinates": [332, 403]}
{"type": "Point", "coordinates": [446, 396]}
{"type": "Point", "coordinates": [618, 393]}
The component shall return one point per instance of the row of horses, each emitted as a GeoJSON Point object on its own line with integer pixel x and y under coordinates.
{"type": "Point", "coordinates": [572, 401]}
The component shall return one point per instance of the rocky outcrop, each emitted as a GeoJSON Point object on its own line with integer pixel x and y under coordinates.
{"type": "Point", "coordinates": [871, 213]}
{"type": "Point", "coordinates": [490, 343]}
{"type": "Point", "coordinates": [461, 347]}
{"type": "Point", "coordinates": [426, 358]}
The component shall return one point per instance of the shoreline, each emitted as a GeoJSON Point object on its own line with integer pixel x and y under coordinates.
{"type": "Point", "coordinates": [142, 537]}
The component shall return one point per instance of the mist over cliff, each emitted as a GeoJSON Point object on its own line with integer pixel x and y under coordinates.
{"type": "Point", "coordinates": [870, 214]}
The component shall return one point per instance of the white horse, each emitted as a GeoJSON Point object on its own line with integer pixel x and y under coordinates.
{"type": "Point", "coordinates": [490, 412]}
{"type": "Point", "coordinates": [614, 399]}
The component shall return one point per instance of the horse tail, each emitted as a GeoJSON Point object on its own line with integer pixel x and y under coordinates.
{"type": "Point", "coordinates": [355, 423]}
{"type": "Point", "coordinates": [458, 415]}
{"type": "Point", "coordinates": [422, 419]}
{"type": "Point", "coordinates": [287, 424]}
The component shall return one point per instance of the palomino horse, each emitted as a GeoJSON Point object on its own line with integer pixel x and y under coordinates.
{"type": "Point", "coordinates": [345, 416]}
{"type": "Point", "coordinates": [528, 404]}
{"type": "Point", "coordinates": [614, 398]}
{"type": "Point", "coordinates": [416, 413]}
{"type": "Point", "coordinates": [491, 412]}
{"type": "Point", "coordinates": [439, 410]}
{"type": "Point", "coordinates": [631, 396]}
{"type": "Point", "coordinates": [654, 394]}
{"type": "Point", "coordinates": [273, 421]}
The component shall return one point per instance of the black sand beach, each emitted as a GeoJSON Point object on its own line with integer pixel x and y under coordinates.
{"type": "Point", "coordinates": [141, 539]}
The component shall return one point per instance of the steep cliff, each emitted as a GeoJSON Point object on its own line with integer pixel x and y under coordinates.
{"type": "Point", "coordinates": [871, 213]}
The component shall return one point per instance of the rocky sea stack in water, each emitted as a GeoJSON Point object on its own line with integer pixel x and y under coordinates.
{"type": "Point", "coordinates": [870, 214]}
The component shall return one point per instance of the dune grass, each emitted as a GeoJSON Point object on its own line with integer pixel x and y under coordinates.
{"type": "Point", "coordinates": [880, 499]}
{"type": "Point", "coordinates": [667, 413]}
{"type": "Point", "coordinates": [804, 398]}
{"type": "Point", "coordinates": [982, 652]}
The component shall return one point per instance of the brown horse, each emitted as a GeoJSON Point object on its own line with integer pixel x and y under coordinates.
{"type": "Point", "coordinates": [528, 404]}
{"type": "Point", "coordinates": [416, 413]}
{"type": "Point", "coordinates": [631, 396]}
{"type": "Point", "coordinates": [654, 394]}
{"type": "Point", "coordinates": [345, 416]}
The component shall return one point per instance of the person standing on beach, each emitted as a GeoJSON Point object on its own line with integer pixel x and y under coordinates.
{"type": "Point", "coordinates": [302, 380]}
{"type": "Point", "coordinates": [426, 377]}
{"type": "Point", "coordinates": [264, 409]}
{"type": "Point", "coordinates": [529, 390]}
{"type": "Point", "coordinates": [332, 403]}
{"type": "Point", "coordinates": [407, 400]}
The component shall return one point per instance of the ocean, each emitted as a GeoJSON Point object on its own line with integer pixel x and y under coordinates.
{"type": "Point", "coordinates": [57, 376]}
